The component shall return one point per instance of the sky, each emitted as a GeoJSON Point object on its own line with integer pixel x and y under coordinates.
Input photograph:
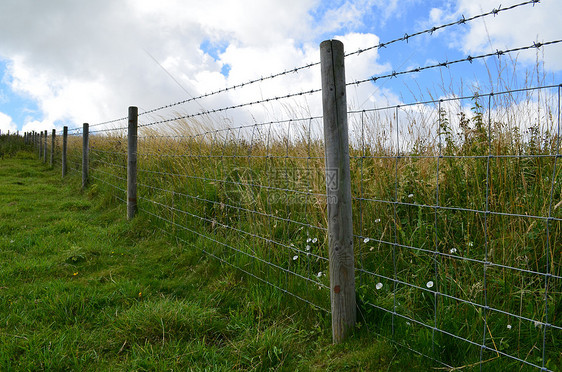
{"type": "Point", "coordinates": [66, 62]}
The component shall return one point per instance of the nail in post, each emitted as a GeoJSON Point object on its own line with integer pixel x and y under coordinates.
{"type": "Point", "coordinates": [132, 163]}
{"type": "Point", "coordinates": [338, 190]}
{"type": "Point", "coordinates": [64, 145]}
{"type": "Point", "coordinates": [85, 153]}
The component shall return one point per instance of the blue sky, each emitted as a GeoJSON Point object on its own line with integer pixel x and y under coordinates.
{"type": "Point", "coordinates": [68, 62]}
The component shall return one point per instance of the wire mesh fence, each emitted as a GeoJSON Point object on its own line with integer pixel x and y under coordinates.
{"type": "Point", "coordinates": [456, 222]}
{"type": "Point", "coordinates": [456, 204]}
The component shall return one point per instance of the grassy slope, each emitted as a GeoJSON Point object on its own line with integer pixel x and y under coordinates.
{"type": "Point", "coordinates": [83, 289]}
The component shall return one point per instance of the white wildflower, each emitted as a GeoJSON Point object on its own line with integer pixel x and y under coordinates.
{"type": "Point", "coordinates": [509, 326]}
{"type": "Point", "coordinates": [366, 240]}
{"type": "Point", "coordinates": [319, 274]}
{"type": "Point", "coordinates": [308, 248]}
{"type": "Point", "coordinates": [410, 196]}
{"type": "Point", "coordinates": [378, 286]}
{"type": "Point", "coordinates": [308, 240]}
{"type": "Point", "coordinates": [453, 251]}
{"type": "Point", "coordinates": [295, 258]}
{"type": "Point", "coordinates": [429, 284]}
{"type": "Point", "coordinates": [377, 220]}
{"type": "Point", "coordinates": [314, 240]}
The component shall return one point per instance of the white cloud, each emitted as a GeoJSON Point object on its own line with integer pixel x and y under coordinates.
{"type": "Point", "coordinates": [37, 126]}
{"type": "Point", "coordinates": [6, 124]}
{"type": "Point", "coordinates": [509, 29]}
{"type": "Point", "coordinates": [87, 61]}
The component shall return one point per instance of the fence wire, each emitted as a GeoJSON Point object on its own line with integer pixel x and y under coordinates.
{"type": "Point", "coordinates": [458, 222]}
{"type": "Point", "coordinates": [237, 194]}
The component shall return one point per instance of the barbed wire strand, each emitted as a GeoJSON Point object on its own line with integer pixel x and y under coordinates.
{"type": "Point", "coordinates": [432, 30]}
{"type": "Point", "coordinates": [469, 58]}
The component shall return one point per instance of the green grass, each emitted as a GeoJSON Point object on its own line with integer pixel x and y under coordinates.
{"type": "Point", "coordinates": [212, 193]}
{"type": "Point", "coordinates": [81, 288]}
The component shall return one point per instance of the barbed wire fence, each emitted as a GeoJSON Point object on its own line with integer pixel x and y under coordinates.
{"type": "Point", "coordinates": [455, 204]}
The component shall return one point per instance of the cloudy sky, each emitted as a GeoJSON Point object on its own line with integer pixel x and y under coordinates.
{"type": "Point", "coordinates": [65, 62]}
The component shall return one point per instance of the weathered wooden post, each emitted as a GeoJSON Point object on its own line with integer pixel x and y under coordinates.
{"type": "Point", "coordinates": [64, 146]}
{"type": "Point", "coordinates": [338, 189]}
{"type": "Point", "coordinates": [40, 144]}
{"type": "Point", "coordinates": [45, 147]}
{"type": "Point", "coordinates": [85, 155]}
{"type": "Point", "coordinates": [132, 163]}
{"type": "Point", "coordinates": [53, 136]}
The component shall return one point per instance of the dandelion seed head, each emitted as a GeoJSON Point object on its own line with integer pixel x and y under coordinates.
{"type": "Point", "coordinates": [378, 286]}
{"type": "Point", "coordinates": [429, 284]}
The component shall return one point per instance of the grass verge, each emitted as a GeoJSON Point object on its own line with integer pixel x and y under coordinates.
{"type": "Point", "coordinates": [81, 288]}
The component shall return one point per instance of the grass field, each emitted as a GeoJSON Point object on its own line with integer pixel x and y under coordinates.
{"type": "Point", "coordinates": [83, 289]}
{"type": "Point", "coordinates": [484, 266]}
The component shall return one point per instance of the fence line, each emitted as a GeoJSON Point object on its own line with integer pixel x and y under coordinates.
{"type": "Point", "coordinates": [455, 231]}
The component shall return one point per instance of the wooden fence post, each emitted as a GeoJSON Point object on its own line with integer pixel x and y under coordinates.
{"type": "Point", "coordinates": [45, 147]}
{"type": "Point", "coordinates": [132, 163]}
{"type": "Point", "coordinates": [338, 190]}
{"type": "Point", "coordinates": [53, 136]}
{"type": "Point", "coordinates": [85, 155]}
{"type": "Point", "coordinates": [64, 145]}
{"type": "Point", "coordinates": [40, 144]}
